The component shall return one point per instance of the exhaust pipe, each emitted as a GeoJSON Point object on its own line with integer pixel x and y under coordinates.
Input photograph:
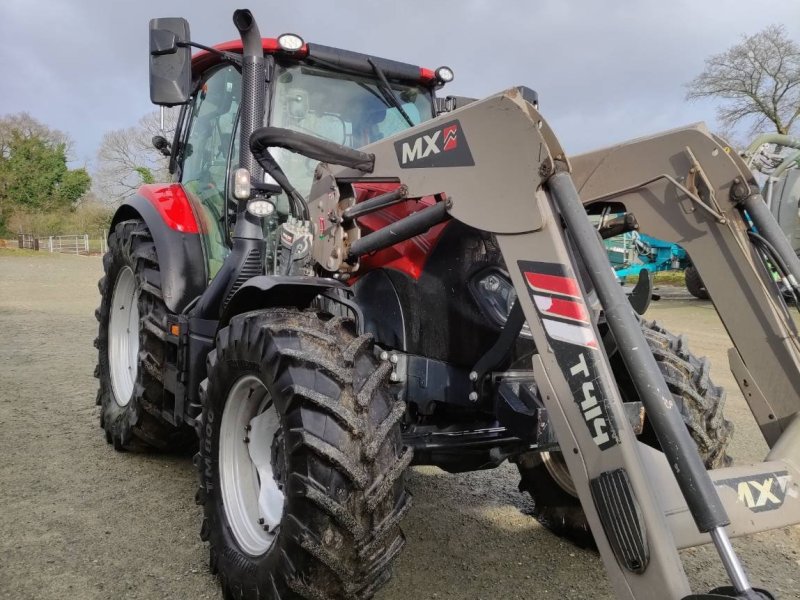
{"type": "Point", "coordinates": [248, 30]}
{"type": "Point", "coordinates": [251, 114]}
{"type": "Point", "coordinates": [252, 107]}
{"type": "Point", "coordinates": [248, 247]}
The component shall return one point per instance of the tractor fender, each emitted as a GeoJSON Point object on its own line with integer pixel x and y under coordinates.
{"type": "Point", "coordinates": [271, 291]}
{"type": "Point", "coordinates": [168, 214]}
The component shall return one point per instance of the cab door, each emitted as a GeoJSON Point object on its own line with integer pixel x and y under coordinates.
{"type": "Point", "coordinates": [210, 147]}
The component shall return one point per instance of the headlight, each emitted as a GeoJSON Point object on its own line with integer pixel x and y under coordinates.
{"type": "Point", "coordinates": [260, 208]}
{"type": "Point", "coordinates": [496, 295]}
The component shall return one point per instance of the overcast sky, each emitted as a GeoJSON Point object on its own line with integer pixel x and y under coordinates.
{"type": "Point", "coordinates": [605, 70]}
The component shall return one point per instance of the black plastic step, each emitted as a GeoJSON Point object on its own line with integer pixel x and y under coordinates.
{"type": "Point", "coordinates": [622, 519]}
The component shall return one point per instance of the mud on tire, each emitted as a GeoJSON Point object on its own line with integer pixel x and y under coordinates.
{"type": "Point", "coordinates": [135, 422]}
{"type": "Point", "coordinates": [699, 400]}
{"type": "Point", "coordinates": [339, 453]}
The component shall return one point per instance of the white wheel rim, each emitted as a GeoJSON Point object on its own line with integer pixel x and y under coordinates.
{"type": "Point", "coordinates": [123, 336]}
{"type": "Point", "coordinates": [557, 467]}
{"type": "Point", "coordinates": [252, 500]}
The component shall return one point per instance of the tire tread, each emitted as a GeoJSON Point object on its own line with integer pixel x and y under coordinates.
{"type": "Point", "coordinates": [352, 552]}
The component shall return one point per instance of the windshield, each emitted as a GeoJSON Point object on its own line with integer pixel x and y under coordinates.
{"type": "Point", "coordinates": [344, 108]}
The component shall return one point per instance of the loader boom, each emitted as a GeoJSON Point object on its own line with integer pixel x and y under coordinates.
{"type": "Point", "coordinates": [709, 225]}
{"type": "Point", "coordinates": [495, 165]}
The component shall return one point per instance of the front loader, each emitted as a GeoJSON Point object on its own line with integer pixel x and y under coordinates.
{"type": "Point", "coordinates": [349, 276]}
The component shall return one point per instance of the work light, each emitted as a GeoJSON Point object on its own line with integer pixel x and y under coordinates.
{"type": "Point", "coordinates": [290, 42]}
{"type": "Point", "coordinates": [445, 74]}
{"type": "Point", "coordinates": [260, 208]}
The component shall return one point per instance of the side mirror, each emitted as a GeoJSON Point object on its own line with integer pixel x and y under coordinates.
{"type": "Point", "coordinates": [170, 62]}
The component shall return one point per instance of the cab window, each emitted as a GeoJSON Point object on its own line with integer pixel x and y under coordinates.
{"type": "Point", "coordinates": [207, 154]}
{"type": "Point", "coordinates": [344, 108]}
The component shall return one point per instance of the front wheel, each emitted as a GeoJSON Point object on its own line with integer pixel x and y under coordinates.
{"type": "Point", "coordinates": [131, 348]}
{"type": "Point", "coordinates": [545, 475]}
{"type": "Point", "coordinates": [301, 459]}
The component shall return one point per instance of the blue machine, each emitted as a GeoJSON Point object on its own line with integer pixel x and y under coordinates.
{"type": "Point", "coordinates": [633, 251]}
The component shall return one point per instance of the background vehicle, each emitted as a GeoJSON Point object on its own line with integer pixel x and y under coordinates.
{"type": "Point", "coordinates": [777, 157]}
{"type": "Point", "coordinates": [633, 252]}
{"type": "Point", "coordinates": [359, 311]}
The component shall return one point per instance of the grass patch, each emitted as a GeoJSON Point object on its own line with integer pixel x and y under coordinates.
{"type": "Point", "coordinates": [661, 278]}
{"type": "Point", "coordinates": [19, 253]}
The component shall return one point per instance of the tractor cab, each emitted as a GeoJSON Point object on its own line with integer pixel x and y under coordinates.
{"type": "Point", "coordinates": [344, 97]}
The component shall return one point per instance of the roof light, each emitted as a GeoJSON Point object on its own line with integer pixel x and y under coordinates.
{"type": "Point", "coordinates": [445, 74]}
{"type": "Point", "coordinates": [290, 42]}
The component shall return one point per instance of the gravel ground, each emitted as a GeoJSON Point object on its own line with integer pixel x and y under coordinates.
{"type": "Point", "coordinates": [78, 520]}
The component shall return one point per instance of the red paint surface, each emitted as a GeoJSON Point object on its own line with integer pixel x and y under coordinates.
{"type": "Point", "coordinates": [408, 257]}
{"type": "Point", "coordinates": [172, 204]}
{"type": "Point", "coordinates": [204, 59]}
{"type": "Point", "coordinates": [426, 75]}
{"type": "Point", "coordinates": [553, 284]}
{"type": "Point", "coordinates": [567, 309]}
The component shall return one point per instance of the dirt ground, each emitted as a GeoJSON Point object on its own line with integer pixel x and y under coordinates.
{"type": "Point", "coordinates": [78, 520]}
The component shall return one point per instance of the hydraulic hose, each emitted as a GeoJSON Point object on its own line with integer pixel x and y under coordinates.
{"type": "Point", "coordinates": [769, 229]}
{"type": "Point", "coordinates": [788, 162]}
{"type": "Point", "coordinates": [769, 253]}
{"type": "Point", "coordinates": [770, 138]}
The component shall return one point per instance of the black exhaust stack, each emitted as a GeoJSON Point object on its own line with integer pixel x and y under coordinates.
{"type": "Point", "coordinates": [247, 254]}
{"type": "Point", "coordinates": [253, 89]}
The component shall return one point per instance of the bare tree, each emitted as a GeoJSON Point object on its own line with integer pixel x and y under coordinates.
{"type": "Point", "coordinates": [758, 80]}
{"type": "Point", "coordinates": [25, 125]}
{"type": "Point", "coordinates": [127, 159]}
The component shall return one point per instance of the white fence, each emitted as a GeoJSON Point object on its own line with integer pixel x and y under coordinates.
{"type": "Point", "coordinates": [67, 244]}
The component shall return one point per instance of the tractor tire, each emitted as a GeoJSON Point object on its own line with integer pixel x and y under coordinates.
{"type": "Point", "coordinates": [301, 460]}
{"type": "Point", "coordinates": [694, 284]}
{"type": "Point", "coordinates": [546, 478]}
{"type": "Point", "coordinates": [131, 345]}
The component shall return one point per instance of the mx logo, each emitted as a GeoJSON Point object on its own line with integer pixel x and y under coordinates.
{"type": "Point", "coordinates": [443, 146]}
{"type": "Point", "coordinates": [761, 493]}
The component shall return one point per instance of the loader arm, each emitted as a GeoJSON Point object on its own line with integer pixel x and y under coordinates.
{"type": "Point", "coordinates": [707, 223]}
{"type": "Point", "coordinates": [496, 165]}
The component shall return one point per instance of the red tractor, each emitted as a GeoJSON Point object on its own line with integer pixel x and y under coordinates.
{"type": "Point", "coordinates": [348, 276]}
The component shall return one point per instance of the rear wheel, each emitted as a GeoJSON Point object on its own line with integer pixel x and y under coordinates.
{"type": "Point", "coordinates": [301, 459]}
{"type": "Point", "coordinates": [132, 329]}
{"type": "Point", "coordinates": [695, 284]}
{"type": "Point", "coordinates": [545, 475]}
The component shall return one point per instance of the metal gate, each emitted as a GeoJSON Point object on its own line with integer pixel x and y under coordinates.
{"type": "Point", "coordinates": [68, 244]}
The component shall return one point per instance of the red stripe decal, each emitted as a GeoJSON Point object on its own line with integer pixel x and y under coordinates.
{"type": "Point", "coordinates": [562, 308]}
{"type": "Point", "coordinates": [554, 284]}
